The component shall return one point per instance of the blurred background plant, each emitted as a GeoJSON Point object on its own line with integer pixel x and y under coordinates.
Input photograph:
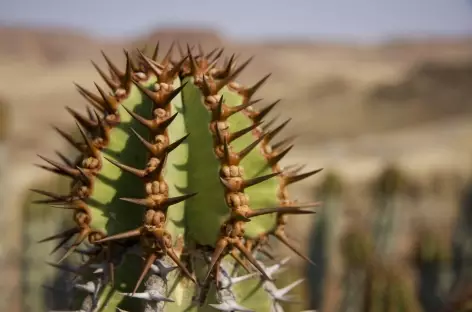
{"type": "Point", "coordinates": [386, 113]}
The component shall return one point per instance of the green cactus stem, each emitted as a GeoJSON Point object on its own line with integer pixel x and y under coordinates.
{"type": "Point", "coordinates": [178, 183]}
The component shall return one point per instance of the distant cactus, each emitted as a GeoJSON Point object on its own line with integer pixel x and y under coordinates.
{"type": "Point", "coordinates": [209, 196]}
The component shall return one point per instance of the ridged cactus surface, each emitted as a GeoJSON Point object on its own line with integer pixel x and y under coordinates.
{"type": "Point", "coordinates": [177, 190]}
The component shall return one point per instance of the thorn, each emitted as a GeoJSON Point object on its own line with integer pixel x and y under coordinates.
{"type": "Point", "coordinates": [87, 123]}
{"type": "Point", "coordinates": [257, 180]}
{"type": "Point", "coordinates": [250, 147]}
{"type": "Point", "coordinates": [283, 142]}
{"type": "Point", "coordinates": [249, 92]}
{"type": "Point", "coordinates": [274, 132]}
{"type": "Point", "coordinates": [89, 287]}
{"type": "Point", "coordinates": [93, 99]}
{"type": "Point", "coordinates": [147, 266]}
{"type": "Point", "coordinates": [79, 146]}
{"type": "Point", "coordinates": [109, 81]}
{"type": "Point", "coordinates": [296, 209]}
{"type": "Point", "coordinates": [109, 103]}
{"type": "Point", "coordinates": [235, 135]}
{"type": "Point", "coordinates": [161, 269]}
{"type": "Point", "coordinates": [137, 172]}
{"type": "Point", "coordinates": [220, 84]}
{"type": "Point", "coordinates": [149, 295]}
{"type": "Point", "coordinates": [280, 235]}
{"type": "Point", "coordinates": [278, 157]}
{"type": "Point", "coordinates": [263, 112]}
{"type": "Point", "coordinates": [220, 247]}
{"type": "Point", "coordinates": [292, 179]}
{"type": "Point", "coordinates": [280, 294]}
{"type": "Point", "coordinates": [250, 257]}
{"type": "Point", "coordinates": [124, 235]}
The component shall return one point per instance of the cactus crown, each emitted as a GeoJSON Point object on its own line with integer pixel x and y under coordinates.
{"type": "Point", "coordinates": [177, 169]}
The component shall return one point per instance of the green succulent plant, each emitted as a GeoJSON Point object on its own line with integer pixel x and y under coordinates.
{"type": "Point", "coordinates": [189, 231]}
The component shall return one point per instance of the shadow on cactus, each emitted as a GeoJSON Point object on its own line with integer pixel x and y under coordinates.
{"type": "Point", "coordinates": [188, 232]}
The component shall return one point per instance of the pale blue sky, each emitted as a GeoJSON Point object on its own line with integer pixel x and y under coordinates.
{"type": "Point", "coordinates": [250, 19]}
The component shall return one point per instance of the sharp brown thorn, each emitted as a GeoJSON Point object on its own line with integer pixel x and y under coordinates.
{"type": "Point", "coordinates": [153, 68]}
{"type": "Point", "coordinates": [79, 239]}
{"type": "Point", "coordinates": [251, 146]}
{"type": "Point", "coordinates": [176, 144]}
{"type": "Point", "coordinates": [66, 160]}
{"type": "Point", "coordinates": [221, 245]}
{"type": "Point", "coordinates": [145, 122]}
{"type": "Point", "coordinates": [109, 103]}
{"type": "Point", "coordinates": [101, 126]}
{"type": "Point", "coordinates": [112, 66]}
{"type": "Point", "coordinates": [181, 51]}
{"type": "Point", "coordinates": [71, 172]}
{"type": "Point", "coordinates": [155, 53]}
{"type": "Point", "coordinates": [173, 256]}
{"type": "Point", "coordinates": [87, 123]}
{"type": "Point", "coordinates": [225, 73]}
{"type": "Point", "coordinates": [124, 235]}
{"type": "Point", "coordinates": [248, 93]}
{"type": "Point", "coordinates": [263, 112]}
{"type": "Point", "coordinates": [266, 126]}
{"type": "Point", "coordinates": [175, 200]}
{"type": "Point", "coordinates": [239, 261]}
{"type": "Point", "coordinates": [176, 68]}
{"type": "Point", "coordinates": [251, 259]}
{"type": "Point", "coordinates": [193, 64]}
{"type": "Point", "coordinates": [200, 50]}
{"type": "Point", "coordinates": [67, 233]}
{"type": "Point", "coordinates": [219, 110]}
{"type": "Point", "coordinates": [167, 57]}
{"type": "Point", "coordinates": [274, 132]}
{"type": "Point", "coordinates": [92, 98]}
{"type": "Point", "coordinates": [150, 94]}
{"type": "Point", "coordinates": [91, 147]}
{"type": "Point", "coordinates": [147, 266]}
{"type": "Point", "coordinates": [257, 180]}
{"type": "Point", "coordinates": [164, 124]}
{"type": "Point", "coordinates": [174, 93]}
{"type": "Point", "coordinates": [109, 81]}
{"type": "Point", "coordinates": [283, 142]}
{"type": "Point", "coordinates": [79, 146]}
{"type": "Point", "coordinates": [146, 202]}
{"type": "Point", "coordinates": [235, 135]}
{"type": "Point", "coordinates": [61, 243]}
{"type": "Point", "coordinates": [210, 54]}
{"type": "Point", "coordinates": [283, 239]}
{"type": "Point", "coordinates": [220, 84]}
{"type": "Point", "coordinates": [292, 179]}
{"type": "Point", "coordinates": [84, 177]}
{"type": "Point", "coordinates": [296, 209]}
{"type": "Point", "coordinates": [137, 172]}
{"type": "Point", "coordinates": [150, 147]}
{"type": "Point", "coordinates": [275, 159]}
{"type": "Point", "coordinates": [156, 174]}
{"type": "Point", "coordinates": [49, 194]}
{"type": "Point", "coordinates": [226, 151]}
{"type": "Point", "coordinates": [237, 109]}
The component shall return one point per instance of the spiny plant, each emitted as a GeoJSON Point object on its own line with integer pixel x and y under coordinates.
{"type": "Point", "coordinates": [200, 213]}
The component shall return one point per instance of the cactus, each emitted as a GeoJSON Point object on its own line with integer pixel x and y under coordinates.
{"type": "Point", "coordinates": [180, 234]}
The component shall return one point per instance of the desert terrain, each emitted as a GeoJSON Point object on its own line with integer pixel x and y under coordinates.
{"type": "Point", "coordinates": [354, 107]}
